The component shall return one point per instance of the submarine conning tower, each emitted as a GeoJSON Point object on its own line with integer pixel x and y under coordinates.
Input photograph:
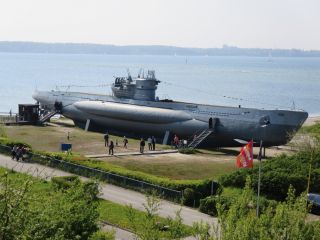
{"type": "Point", "coordinates": [140, 88]}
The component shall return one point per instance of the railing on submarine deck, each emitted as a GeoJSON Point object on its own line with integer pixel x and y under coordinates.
{"type": "Point", "coordinates": [109, 177]}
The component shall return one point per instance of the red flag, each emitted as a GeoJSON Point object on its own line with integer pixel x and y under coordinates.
{"type": "Point", "coordinates": [245, 157]}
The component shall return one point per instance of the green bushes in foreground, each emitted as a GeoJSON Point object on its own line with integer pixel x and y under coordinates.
{"type": "Point", "coordinates": [239, 221]}
{"type": "Point", "coordinates": [282, 220]}
{"type": "Point", "coordinates": [31, 209]}
{"type": "Point", "coordinates": [209, 204]}
{"type": "Point", "coordinates": [279, 173]}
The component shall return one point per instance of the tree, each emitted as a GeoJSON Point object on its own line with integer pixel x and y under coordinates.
{"type": "Point", "coordinates": [285, 220]}
{"type": "Point", "coordinates": [27, 211]}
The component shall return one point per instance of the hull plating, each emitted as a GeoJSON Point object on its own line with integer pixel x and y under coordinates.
{"type": "Point", "coordinates": [145, 118]}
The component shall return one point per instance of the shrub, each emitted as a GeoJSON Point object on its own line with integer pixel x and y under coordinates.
{"type": "Point", "coordinates": [33, 211]}
{"type": "Point", "coordinates": [283, 220]}
{"type": "Point", "coordinates": [208, 205]}
{"type": "Point", "coordinates": [65, 182]}
{"type": "Point", "coordinates": [188, 197]}
{"type": "Point", "coordinates": [187, 150]}
{"type": "Point", "coordinates": [279, 173]}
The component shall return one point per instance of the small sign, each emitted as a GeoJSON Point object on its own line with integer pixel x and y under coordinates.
{"type": "Point", "coordinates": [66, 147]}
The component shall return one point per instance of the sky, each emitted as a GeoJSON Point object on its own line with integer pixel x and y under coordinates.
{"type": "Point", "coordinates": [187, 23]}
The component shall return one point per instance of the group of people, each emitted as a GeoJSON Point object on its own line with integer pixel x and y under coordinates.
{"type": "Point", "coordinates": [179, 143]}
{"type": "Point", "coordinates": [110, 144]}
{"type": "Point", "coordinates": [17, 152]}
{"type": "Point", "coordinates": [151, 144]}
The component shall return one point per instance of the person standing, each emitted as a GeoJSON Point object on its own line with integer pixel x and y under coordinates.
{"type": "Point", "coordinates": [111, 146]}
{"type": "Point", "coordinates": [106, 139]}
{"type": "Point", "coordinates": [142, 144]}
{"type": "Point", "coordinates": [125, 142]}
{"type": "Point", "coordinates": [153, 140]}
{"type": "Point", "coordinates": [19, 153]}
{"type": "Point", "coordinates": [176, 141]}
{"type": "Point", "coordinates": [14, 152]}
{"type": "Point", "coordinates": [149, 143]}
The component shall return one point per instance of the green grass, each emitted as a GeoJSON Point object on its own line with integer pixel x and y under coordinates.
{"type": "Point", "coordinates": [313, 129]}
{"type": "Point", "coordinates": [193, 169]}
{"type": "Point", "coordinates": [3, 132]}
{"type": "Point", "coordinates": [49, 138]}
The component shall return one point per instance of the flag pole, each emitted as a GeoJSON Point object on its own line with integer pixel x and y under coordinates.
{"type": "Point", "coordinates": [259, 178]}
{"type": "Point", "coordinates": [310, 168]}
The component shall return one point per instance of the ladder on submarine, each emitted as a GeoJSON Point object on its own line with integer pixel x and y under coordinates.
{"type": "Point", "coordinates": [199, 139]}
{"type": "Point", "coordinates": [203, 135]}
{"type": "Point", "coordinates": [47, 117]}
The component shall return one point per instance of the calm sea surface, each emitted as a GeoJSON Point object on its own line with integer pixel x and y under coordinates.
{"type": "Point", "coordinates": [248, 81]}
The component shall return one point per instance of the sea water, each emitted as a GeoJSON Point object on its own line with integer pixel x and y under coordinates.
{"type": "Point", "coordinates": [277, 83]}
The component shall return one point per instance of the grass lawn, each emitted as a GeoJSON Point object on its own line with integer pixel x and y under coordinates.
{"type": "Point", "coordinates": [203, 164]}
{"type": "Point", "coordinates": [188, 167]}
{"type": "Point", "coordinates": [49, 139]}
{"type": "Point", "coordinates": [314, 129]}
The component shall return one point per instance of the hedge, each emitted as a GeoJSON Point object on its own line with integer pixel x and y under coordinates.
{"type": "Point", "coordinates": [279, 173]}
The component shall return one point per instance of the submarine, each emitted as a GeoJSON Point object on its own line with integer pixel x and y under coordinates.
{"type": "Point", "coordinates": [134, 110]}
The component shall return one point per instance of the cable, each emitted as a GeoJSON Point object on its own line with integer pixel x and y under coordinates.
{"type": "Point", "coordinates": [225, 96]}
{"type": "Point", "coordinates": [180, 86]}
{"type": "Point", "coordinates": [83, 86]}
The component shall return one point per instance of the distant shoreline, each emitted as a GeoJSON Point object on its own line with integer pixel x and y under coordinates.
{"type": "Point", "coordinates": [107, 49]}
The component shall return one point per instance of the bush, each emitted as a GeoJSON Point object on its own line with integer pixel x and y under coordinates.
{"type": "Point", "coordinates": [282, 220]}
{"type": "Point", "coordinates": [65, 182]}
{"type": "Point", "coordinates": [279, 173]}
{"type": "Point", "coordinates": [208, 205]}
{"type": "Point", "coordinates": [33, 210]}
{"type": "Point", "coordinates": [188, 197]}
{"type": "Point", "coordinates": [187, 150]}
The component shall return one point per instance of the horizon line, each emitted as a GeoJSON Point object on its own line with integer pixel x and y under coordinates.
{"type": "Point", "coordinates": [224, 46]}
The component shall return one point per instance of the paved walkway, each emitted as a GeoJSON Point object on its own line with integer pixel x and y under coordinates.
{"type": "Point", "coordinates": [120, 234]}
{"type": "Point", "coordinates": [110, 192]}
{"type": "Point", "coordinates": [132, 153]}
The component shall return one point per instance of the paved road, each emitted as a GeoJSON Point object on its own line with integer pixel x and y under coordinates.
{"type": "Point", "coordinates": [110, 192]}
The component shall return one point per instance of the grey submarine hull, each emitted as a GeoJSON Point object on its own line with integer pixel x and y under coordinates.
{"type": "Point", "coordinates": [141, 118]}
